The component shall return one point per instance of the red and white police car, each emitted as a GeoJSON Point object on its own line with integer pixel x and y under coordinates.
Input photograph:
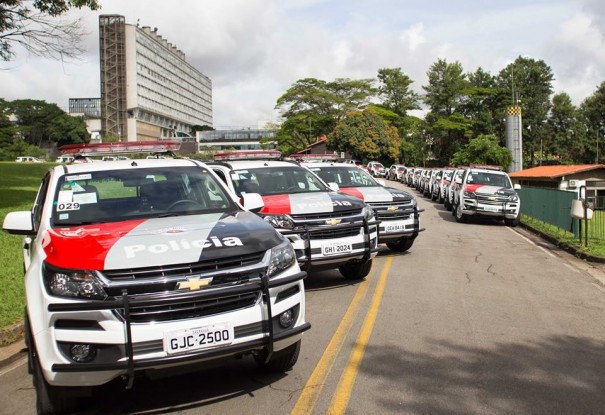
{"type": "Point", "coordinates": [396, 209]}
{"type": "Point", "coordinates": [329, 230]}
{"type": "Point", "coordinates": [146, 264]}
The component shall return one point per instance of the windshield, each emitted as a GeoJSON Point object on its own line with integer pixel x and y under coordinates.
{"type": "Point", "coordinates": [345, 176]}
{"type": "Point", "coordinates": [118, 195]}
{"type": "Point", "coordinates": [276, 180]}
{"type": "Point", "coordinates": [489, 179]}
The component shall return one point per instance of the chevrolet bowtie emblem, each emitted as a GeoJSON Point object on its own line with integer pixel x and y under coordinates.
{"type": "Point", "coordinates": [392, 208]}
{"type": "Point", "coordinates": [194, 283]}
{"type": "Point", "coordinates": [333, 221]}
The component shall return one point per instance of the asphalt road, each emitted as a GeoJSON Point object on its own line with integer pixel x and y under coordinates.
{"type": "Point", "coordinates": [476, 318]}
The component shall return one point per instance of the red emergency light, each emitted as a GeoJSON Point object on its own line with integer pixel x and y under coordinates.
{"type": "Point", "coordinates": [129, 147]}
{"type": "Point", "coordinates": [248, 155]}
{"type": "Point", "coordinates": [315, 157]}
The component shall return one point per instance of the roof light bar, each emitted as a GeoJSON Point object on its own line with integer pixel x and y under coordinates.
{"type": "Point", "coordinates": [315, 157]}
{"type": "Point", "coordinates": [249, 155]}
{"type": "Point", "coordinates": [486, 167]}
{"type": "Point", "coordinates": [101, 149]}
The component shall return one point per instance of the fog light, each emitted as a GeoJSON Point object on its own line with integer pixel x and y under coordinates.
{"type": "Point", "coordinates": [286, 319]}
{"type": "Point", "coordinates": [83, 353]}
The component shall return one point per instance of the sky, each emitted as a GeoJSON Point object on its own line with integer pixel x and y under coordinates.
{"type": "Point", "coordinates": [254, 50]}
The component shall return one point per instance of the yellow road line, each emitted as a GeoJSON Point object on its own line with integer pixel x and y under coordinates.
{"type": "Point", "coordinates": [340, 401]}
{"type": "Point", "coordinates": [308, 398]}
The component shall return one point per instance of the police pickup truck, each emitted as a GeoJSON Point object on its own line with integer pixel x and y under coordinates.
{"type": "Point", "coordinates": [328, 230]}
{"type": "Point", "coordinates": [396, 209]}
{"type": "Point", "coordinates": [145, 264]}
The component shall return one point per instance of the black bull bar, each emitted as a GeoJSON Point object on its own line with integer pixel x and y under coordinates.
{"type": "Point", "coordinates": [126, 301]}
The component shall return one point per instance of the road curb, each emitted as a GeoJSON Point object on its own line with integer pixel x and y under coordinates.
{"type": "Point", "coordinates": [11, 334]}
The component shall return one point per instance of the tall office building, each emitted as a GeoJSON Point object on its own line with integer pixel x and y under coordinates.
{"type": "Point", "coordinates": [148, 90]}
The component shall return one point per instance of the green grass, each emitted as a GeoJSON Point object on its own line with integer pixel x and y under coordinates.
{"type": "Point", "coordinates": [18, 188]}
{"type": "Point", "coordinates": [596, 246]}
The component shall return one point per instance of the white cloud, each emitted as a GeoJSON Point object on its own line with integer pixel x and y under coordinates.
{"type": "Point", "coordinates": [254, 50]}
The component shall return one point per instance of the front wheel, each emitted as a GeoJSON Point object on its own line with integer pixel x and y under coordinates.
{"type": "Point", "coordinates": [401, 245]}
{"type": "Point", "coordinates": [281, 361]}
{"type": "Point", "coordinates": [50, 399]}
{"type": "Point", "coordinates": [355, 270]}
{"type": "Point", "coordinates": [460, 217]}
{"type": "Point", "coordinates": [513, 222]}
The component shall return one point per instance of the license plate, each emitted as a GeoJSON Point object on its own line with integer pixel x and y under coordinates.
{"type": "Point", "coordinates": [394, 228]}
{"type": "Point", "coordinates": [492, 208]}
{"type": "Point", "coordinates": [187, 340]}
{"type": "Point", "coordinates": [336, 249]}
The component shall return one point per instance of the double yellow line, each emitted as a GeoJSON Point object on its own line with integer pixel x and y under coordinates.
{"type": "Point", "coordinates": [310, 394]}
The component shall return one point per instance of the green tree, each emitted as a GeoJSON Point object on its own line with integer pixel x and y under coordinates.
{"type": "Point", "coordinates": [394, 89]}
{"type": "Point", "coordinates": [33, 118]}
{"type": "Point", "coordinates": [483, 150]}
{"type": "Point", "coordinates": [34, 26]}
{"type": "Point", "coordinates": [563, 139]}
{"type": "Point", "coordinates": [366, 136]}
{"type": "Point", "coordinates": [528, 83]}
{"type": "Point", "coordinates": [480, 103]}
{"type": "Point", "coordinates": [312, 107]}
{"type": "Point", "coordinates": [66, 129]}
{"type": "Point", "coordinates": [592, 113]}
{"type": "Point", "coordinates": [447, 129]}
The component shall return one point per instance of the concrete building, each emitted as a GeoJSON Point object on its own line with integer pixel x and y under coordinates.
{"type": "Point", "coordinates": [148, 90]}
{"type": "Point", "coordinates": [236, 139]}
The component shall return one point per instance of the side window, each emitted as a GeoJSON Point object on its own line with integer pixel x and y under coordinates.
{"type": "Point", "coordinates": [39, 203]}
{"type": "Point", "coordinates": [220, 174]}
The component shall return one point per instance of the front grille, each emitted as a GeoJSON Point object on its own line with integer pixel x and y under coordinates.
{"type": "Point", "coordinates": [346, 214]}
{"type": "Point", "coordinates": [222, 264]}
{"type": "Point", "coordinates": [191, 308]}
{"type": "Point", "coordinates": [404, 210]}
{"type": "Point", "coordinates": [490, 199]}
{"type": "Point", "coordinates": [336, 233]}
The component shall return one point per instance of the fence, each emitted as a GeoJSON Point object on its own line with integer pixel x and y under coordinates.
{"type": "Point", "coordinates": [553, 207]}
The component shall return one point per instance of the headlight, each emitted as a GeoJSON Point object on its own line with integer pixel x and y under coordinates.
{"type": "Point", "coordinates": [280, 221]}
{"type": "Point", "coordinates": [466, 193]}
{"type": "Point", "coordinates": [282, 257]}
{"type": "Point", "coordinates": [367, 212]}
{"type": "Point", "coordinates": [73, 284]}
{"type": "Point", "coordinates": [513, 198]}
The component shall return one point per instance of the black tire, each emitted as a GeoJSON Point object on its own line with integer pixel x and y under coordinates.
{"type": "Point", "coordinates": [460, 217]}
{"type": "Point", "coordinates": [281, 361]}
{"type": "Point", "coordinates": [355, 270]}
{"type": "Point", "coordinates": [447, 204]}
{"type": "Point", "coordinates": [50, 400]}
{"type": "Point", "coordinates": [401, 245]}
{"type": "Point", "coordinates": [513, 222]}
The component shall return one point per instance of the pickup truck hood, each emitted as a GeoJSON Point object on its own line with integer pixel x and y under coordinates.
{"type": "Point", "coordinates": [489, 190]}
{"type": "Point", "coordinates": [158, 241]}
{"type": "Point", "coordinates": [377, 194]}
{"type": "Point", "coordinates": [310, 202]}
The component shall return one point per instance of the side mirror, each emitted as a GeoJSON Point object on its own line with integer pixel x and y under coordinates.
{"type": "Point", "coordinates": [252, 202]}
{"type": "Point", "coordinates": [381, 182]}
{"type": "Point", "coordinates": [458, 181]}
{"type": "Point", "coordinates": [516, 186]}
{"type": "Point", "coordinates": [18, 223]}
{"type": "Point", "coordinates": [334, 186]}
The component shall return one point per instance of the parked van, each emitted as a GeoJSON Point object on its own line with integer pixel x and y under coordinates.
{"type": "Point", "coordinates": [28, 159]}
